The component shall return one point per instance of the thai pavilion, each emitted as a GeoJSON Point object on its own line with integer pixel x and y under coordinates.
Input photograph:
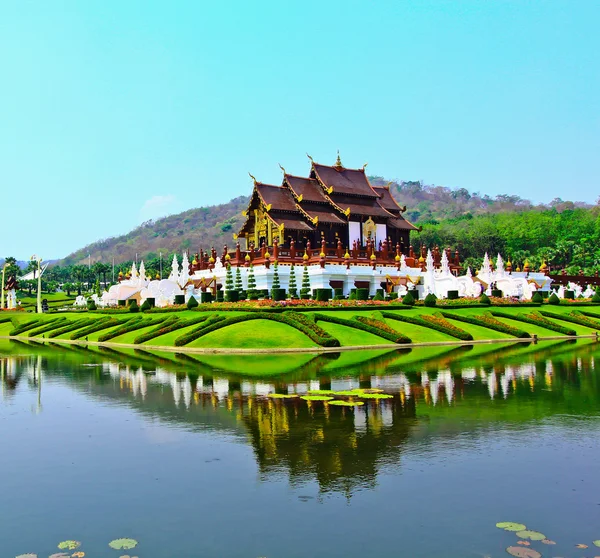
{"type": "Point", "coordinates": [333, 205]}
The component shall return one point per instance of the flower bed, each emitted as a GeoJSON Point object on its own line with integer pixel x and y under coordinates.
{"type": "Point", "coordinates": [574, 318]}
{"type": "Point", "coordinates": [169, 325]}
{"type": "Point", "coordinates": [370, 325]}
{"type": "Point", "coordinates": [75, 324]}
{"type": "Point", "coordinates": [488, 322]}
{"type": "Point", "coordinates": [535, 319]}
{"type": "Point", "coordinates": [432, 321]}
{"type": "Point", "coordinates": [103, 323]}
{"type": "Point", "coordinates": [297, 321]}
{"type": "Point", "coordinates": [131, 325]}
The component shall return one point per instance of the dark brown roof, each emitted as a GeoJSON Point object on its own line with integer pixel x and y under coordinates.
{"type": "Point", "coordinates": [308, 188]}
{"type": "Point", "coordinates": [276, 196]}
{"type": "Point", "coordinates": [387, 201]}
{"type": "Point", "coordinates": [324, 214]}
{"type": "Point", "coordinates": [292, 222]}
{"type": "Point", "coordinates": [360, 206]}
{"type": "Point", "coordinates": [345, 181]}
{"type": "Point", "coordinates": [402, 223]}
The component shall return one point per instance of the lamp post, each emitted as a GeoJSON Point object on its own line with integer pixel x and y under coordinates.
{"type": "Point", "coordinates": [37, 259]}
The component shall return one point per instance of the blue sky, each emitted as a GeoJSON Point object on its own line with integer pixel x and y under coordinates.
{"type": "Point", "coordinates": [117, 112]}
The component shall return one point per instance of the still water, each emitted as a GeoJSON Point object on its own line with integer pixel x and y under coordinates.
{"type": "Point", "coordinates": [189, 456]}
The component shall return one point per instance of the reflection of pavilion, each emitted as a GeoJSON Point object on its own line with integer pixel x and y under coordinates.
{"type": "Point", "coordinates": [342, 449]}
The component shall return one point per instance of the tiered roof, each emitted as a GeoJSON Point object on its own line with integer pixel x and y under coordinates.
{"type": "Point", "coordinates": [330, 194]}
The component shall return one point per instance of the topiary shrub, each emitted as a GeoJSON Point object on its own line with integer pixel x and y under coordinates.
{"type": "Point", "coordinates": [362, 294]}
{"type": "Point", "coordinates": [485, 299]}
{"type": "Point", "coordinates": [323, 295]}
{"type": "Point", "coordinates": [352, 295]}
{"type": "Point", "coordinates": [251, 282]}
{"type": "Point", "coordinates": [192, 302]}
{"type": "Point", "coordinates": [570, 295]}
{"type": "Point", "coordinates": [179, 299]}
{"type": "Point", "coordinates": [145, 306]}
{"type": "Point", "coordinates": [378, 296]}
{"type": "Point", "coordinates": [133, 306]}
{"type": "Point", "coordinates": [220, 296]}
{"type": "Point", "coordinates": [151, 302]}
{"type": "Point", "coordinates": [430, 300]}
{"type": "Point", "coordinates": [537, 297]}
{"type": "Point", "coordinates": [497, 293]}
{"type": "Point", "coordinates": [452, 295]}
{"type": "Point", "coordinates": [292, 288]}
{"type": "Point", "coordinates": [278, 294]}
{"type": "Point", "coordinates": [338, 294]}
{"type": "Point", "coordinates": [232, 296]}
{"type": "Point", "coordinates": [392, 296]}
{"type": "Point", "coordinates": [305, 290]}
{"type": "Point", "coordinates": [91, 305]}
{"type": "Point", "coordinates": [414, 293]}
{"type": "Point", "coordinates": [121, 302]}
{"type": "Point", "coordinates": [596, 298]}
{"type": "Point", "coordinates": [408, 299]}
{"type": "Point", "coordinates": [206, 297]}
{"type": "Point", "coordinates": [554, 299]}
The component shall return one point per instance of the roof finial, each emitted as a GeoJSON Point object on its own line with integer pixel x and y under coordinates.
{"type": "Point", "coordinates": [311, 159]}
{"type": "Point", "coordinates": [365, 166]}
{"type": "Point", "coordinates": [281, 168]}
{"type": "Point", "coordinates": [252, 177]}
{"type": "Point", "coordinates": [338, 162]}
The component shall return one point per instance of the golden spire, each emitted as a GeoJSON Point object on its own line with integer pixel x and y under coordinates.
{"type": "Point", "coordinates": [253, 179]}
{"type": "Point", "coordinates": [281, 168]}
{"type": "Point", "coordinates": [338, 161]}
{"type": "Point", "coordinates": [311, 159]}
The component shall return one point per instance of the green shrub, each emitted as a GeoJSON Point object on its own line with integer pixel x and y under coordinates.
{"type": "Point", "coordinates": [570, 295]}
{"type": "Point", "coordinates": [362, 294]}
{"type": "Point", "coordinates": [169, 325]}
{"type": "Point", "coordinates": [370, 325]}
{"type": "Point", "coordinates": [24, 326]}
{"type": "Point", "coordinates": [435, 321]}
{"type": "Point", "coordinates": [497, 293]}
{"type": "Point", "coordinates": [75, 324]}
{"type": "Point", "coordinates": [133, 306]}
{"type": "Point", "coordinates": [305, 290]}
{"type": "Point", "coordinates": [99, 325]}
{"type": "Point", "coordinates": [452, 295]}
{"type": "Point", "coordinates": [535, 319]}
{"type": "Point", "coordinates": [323, 295]}
{"type": "Point", "coordinates": [554, 299]}
{"type": "Point", "coordinates": [91, 305]}
{"type": "Point", "coordinates": [488, 322]}
{"type": "Point", "coordinates": [131, 325]}
{"type": "Point", "coordinates": [232, 296]}
{"type": "Point", "coordinates": [537, 297]}
{"type": "Point", "coordinates": [121, 302]}
{"type": "Point", "coordinates": [574, 317]}
{"type": "Point", "coordinates": [352, 295]}
{"type": "Point", "coordinates": [179, 299]}
{"type": "Point", "coordinates": [485, 299]}
{"type": "Point", "coordinates": [47, 325]}
{"type": "Point", "coordinates": [278, 294]}
{"type": "Point", "coordinates": [408, 299]}
{"type": "Point", "coordinates": [220, 296]}
{"type": "Point", "coordinates": [151, 301]}
{"type": "Point", "coordinates": [239, 286]}
{"type": "Point", "coordinates": [430, 300]}
{"type": "Point", "coordinates": [378, 296]}
{"type": "Point", "coordinates": [292, 287]}
{"type": "Point", "coordinates": [192, 302]}
{"type": "Point", "coordinates": [596, 298]}
{"type": "Point", "coordinates": [145, 306]}
{"type": "Point", "coordinates": [251, 282]}
{"type": "Point", "coordinates": [393, 296]}
{"type": "Point", "coordinates": [414, 293]}
{"type": "Point", "coordinates": [205, 297]}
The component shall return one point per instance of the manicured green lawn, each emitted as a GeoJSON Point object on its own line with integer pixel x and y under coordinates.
{"type": "Point", "coordinates": [254, 334]}
{"type": "Point", "coordinates": [420, 334]}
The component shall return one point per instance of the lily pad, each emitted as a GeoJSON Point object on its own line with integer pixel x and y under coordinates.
{"type": "Point", "coordinates": [548, 541]}
{"type": "Point", "coordinates": [320, 391]}
{"type": "Point", "coordinates": [78, 554]}
{"type": "Point", "coordinates": [531, 535]}
{"type": "Point", "coordinates": [523, 552]}
{"type": "Point", "coordinates": [61, 555]}
{"type": "Point", "coordinates": [27, 556]}
{"type": "Point", "coordinates": [123, 544]}
{"type": "Point", "coordinates": [510, 526]}
{"type": "Point", "coordinates": [370, 390]}
{"type": "Point", "coordinates": [282, 395]}
{"type": "Point", "coordinates": [346, 403]}
{"type": "Point", "coordinates": [348, 393]}
{"type": "Point", "coordinates": [316, 398]}
{"type": "Point", "coordinates": [376, 396]}
{"type": "Point", "coordinates": [596, 543]}
{"type": "Point", "coordinates": [69, 545]}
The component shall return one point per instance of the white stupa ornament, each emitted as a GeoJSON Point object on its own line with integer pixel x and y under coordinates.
{"type": "Point", "coordinates": [499, 266]}
{"type": "Point", "coordinates": [134, 271]}
{"type": "Point", "coordinates": [184, 275]}
{"type": "Point", "coordinates": [445, 264]}
{"type": "Point", "coordinates": [486, 268]}
{"type": "Point", "coordinates": [469, 273]}
{"type": "Point", "coordinates": [174, 275]}
{"type": "Point", "coordinates": [403, 266]}
{"type": "Point", "coordinates": [143, 272]}
{"type": "Point", "coordinates": [429, 261]}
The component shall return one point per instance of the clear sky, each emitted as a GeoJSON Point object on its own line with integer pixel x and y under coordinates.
{"type": "Point", "coordinates": [116, 112]}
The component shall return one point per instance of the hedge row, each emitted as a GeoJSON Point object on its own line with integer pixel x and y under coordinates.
{"type": "Point", "coordinates": [169, 325]}
{"type": "Point", "coordinates": [46, 326]}
{"type": "Point", "coordinates": [297, 321]}
{"type": "Point", "coordinates": [370, 325]}
{"type": "Point", "coordinates": [488, 322]}
{"type": "Point", "coordinates": [75, 324]}
{"type": "Point", "coordinates": [437, 322]}
{"type": "Point", "coordinates": [131, 325]}
{"type": "Point", "coordinates": [4, 320]}
{"type": "Point", "coordinates": [573, 318]}
{"type": "Point", "coordinates": [99, 326]}
{"type": "Point", "coordinates": [535, 319]}
{"type": "Point", "coordinates": [28, 325]}
{"type": "Point", "coordinates": [589, 314]}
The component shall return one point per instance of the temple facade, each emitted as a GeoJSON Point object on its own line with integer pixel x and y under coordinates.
{"type": "Point", "coordinates": [332, 207]}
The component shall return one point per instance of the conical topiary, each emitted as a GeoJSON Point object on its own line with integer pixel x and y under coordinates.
{"type": "Point", "coordinates": [485, 299]}
{"type": "Point", "coordinates": [145, 306]}
{"type": "Point", "coordinates": [554, 299]}
{"type": "Point", "coordinates": [430, 300]}
{"type": "Point", "coordinates": [408, 299]}
{"type": "Point", "coordinates": [305, 290]}
{"type": "Point", "coordinates": [229, 279]}
{"type": "Point", "coordinates": [192, 302]}
{"type": "Point", "coordinates": [239, 286]}
{"type": "Point", "coordinates": [537, 298]}
{"type": "Point", "coordinates": [252, 292]}
{"type": "Point", "coordinates": [292, 288]}
{"type": "Point", "coordinates": [596, 297]}
{"type": "Point", "coordinates": [275, 284]}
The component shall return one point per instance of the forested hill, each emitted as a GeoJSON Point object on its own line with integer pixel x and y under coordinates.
{"type": "Point", "coordinates": [472, 222]}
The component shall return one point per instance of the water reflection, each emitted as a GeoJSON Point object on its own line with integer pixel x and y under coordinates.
{"type": "Point", "coordinates": [343, 449]}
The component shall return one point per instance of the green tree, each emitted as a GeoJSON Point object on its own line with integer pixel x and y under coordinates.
{"type": "Point", "coordinates": [68, 287]}
{"type": "Point", "coordinates": [229, 279]}
{"type": "Point", "coordinates": [11, 267]}
{"type": "Point", "coordinates": [239, 286]}
{"type": "Point", "coordinates": [292, 288]}
{"type": "Point", "coordinates": [252, 292]}
{"type": "Point", "coordinates": [276, 284]}
{"type": "Point", "coordinates": [305, 290]}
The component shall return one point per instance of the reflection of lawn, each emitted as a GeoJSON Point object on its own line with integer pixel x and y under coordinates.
{"type": "Point", "coordinates": [254, 334]}
{"type": "Point", "coordinates": [349, 336]}
{"type": "Point", "coordinates": [348, 359]}
{"type": "Point", "coordinates": [255, 365]}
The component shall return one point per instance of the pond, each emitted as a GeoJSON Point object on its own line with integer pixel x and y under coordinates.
{"type": "Point", "coordinates": [189, 457]}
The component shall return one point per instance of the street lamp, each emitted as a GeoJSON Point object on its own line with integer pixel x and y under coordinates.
{"type": "Point", "coordinates": [3, 272]}
{"type": "Point", "coordinates": [37, 259]}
